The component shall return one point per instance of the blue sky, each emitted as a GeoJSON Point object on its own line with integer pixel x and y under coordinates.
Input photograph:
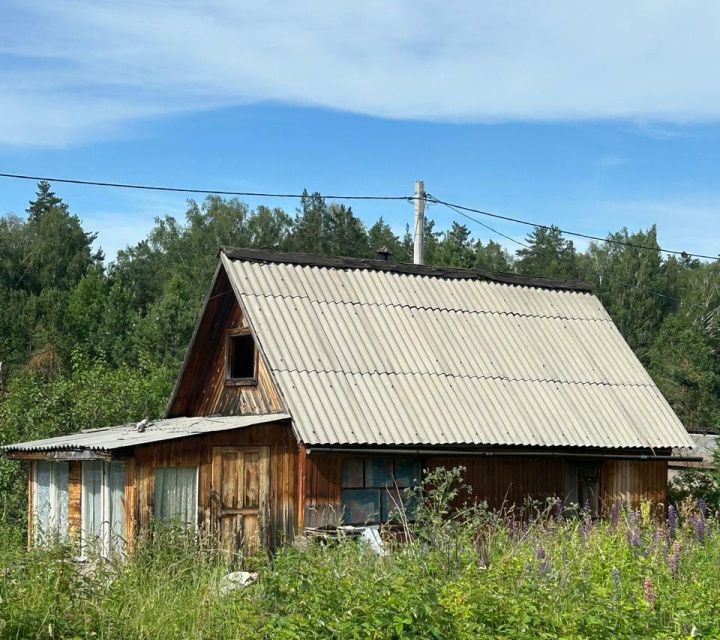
{"type": "Point", "coordinates": [590, 116]}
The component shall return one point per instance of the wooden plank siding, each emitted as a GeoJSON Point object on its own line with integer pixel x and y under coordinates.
{"type": "Point", "coordinates": [197, 451]}
{"type": "Point", "coordinates": [626, 481]}
{"type": "Point", "coordinates": [74, 500]}
{"type": "Point", "coordinates": [203, 389]}
{"type": "Point", "coordinates": [498, 481]}
{"type": "Point", "coordinates": [506, 481]}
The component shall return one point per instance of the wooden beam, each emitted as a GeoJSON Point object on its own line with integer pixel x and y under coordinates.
{"type": "Point", "coordinates": [300, 488]}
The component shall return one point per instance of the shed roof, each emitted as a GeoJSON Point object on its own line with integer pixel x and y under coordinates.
{"type": "Point", "coordinates": [370, 353]}
{"type": "Point", "coordinates": [109, 439]}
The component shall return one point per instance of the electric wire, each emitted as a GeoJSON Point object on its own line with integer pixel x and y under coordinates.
{"type": "Point", "coordinates": [407, 198]}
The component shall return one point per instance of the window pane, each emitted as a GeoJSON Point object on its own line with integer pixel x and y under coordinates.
{"type": "Point", "coordinates": [60, 501]}
{"type": "Point", "coordinates": [361, 506]}
{"type": "Point", "coordinates": [43, 481]}
{"type": "Point", "coordinates": [92, 481]}
{"type": "Point", "coordinates": [175, 495]}
{"type": "Point", "coordinates": [407, 472]}
{"type": "Point", "coordinates": [116, 488]}
{"type": "Point", "coordinates": [378, 472]}
{"type": "Point", "coordinates": [392, 503]}
{"type": "Point", "coordinates": [352, 473]}
{"type": "Point", "coordinates": [51, 500]}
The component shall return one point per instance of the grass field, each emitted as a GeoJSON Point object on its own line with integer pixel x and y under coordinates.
{"type": "Point", "coordinates": [515, 575]}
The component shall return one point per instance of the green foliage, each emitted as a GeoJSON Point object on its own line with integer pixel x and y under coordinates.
{"type": "Point", "coordinates": [90, 395]}
{"type": "Point", "coordinates": [523, 578]}
{"type": "Point", "coordinates": [548, 255]}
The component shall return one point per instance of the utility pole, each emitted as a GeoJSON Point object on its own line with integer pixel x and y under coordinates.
{"type": "Point", "coordinates": [419, 240]}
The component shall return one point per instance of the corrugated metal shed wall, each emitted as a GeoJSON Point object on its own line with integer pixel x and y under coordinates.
{"type": "Point", "coordinates": [373, 357]}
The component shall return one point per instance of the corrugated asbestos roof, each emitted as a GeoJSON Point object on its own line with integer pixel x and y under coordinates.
{"type": "Point", "coordinates": [370, 354]}
{"type": "Point", "coordinates": [112, 438]}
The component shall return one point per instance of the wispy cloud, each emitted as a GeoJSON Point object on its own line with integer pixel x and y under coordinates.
{"type": "Point", "coordinates": [75, 71]}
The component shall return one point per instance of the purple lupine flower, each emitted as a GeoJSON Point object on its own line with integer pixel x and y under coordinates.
{"type": "Point", "coordinates": [674, 558]}
{"type": "Point", "coordinates": [543, 564]}
{"type": "Point", "coordinates": [616, 579]}
{"type": "Point", "coordinates": [702, 506]}
{"type": "Point", "coordinates": [699, 524]}
{"type": "Point", "coordinates": [614, 516]}
{"type": "Point", "coordinates": [586, 527]}
{"type": "Point", "coordinates": [649, 591]}
{"type": "Point", "coordinates": [633, 537]}
{"type": "Point", "coordinates": [558, 509]}
{"type": "Point", "coordinates": [672, 522]}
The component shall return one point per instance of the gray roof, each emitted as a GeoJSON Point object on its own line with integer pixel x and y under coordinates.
{"type": "Point", "coordinates": [368, 354]}
{"type": "Point", "coordinates": [112, 438]}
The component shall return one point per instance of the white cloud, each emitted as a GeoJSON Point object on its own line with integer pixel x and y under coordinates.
{"type": "Point", "coordinates": [74, 70]}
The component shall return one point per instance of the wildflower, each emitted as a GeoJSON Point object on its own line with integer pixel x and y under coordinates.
{"type": "Point", "coordinates": [702, 506]}
{"type": "Point", "coordinates": [614, 516]}
{"type": "Point", "coordinates": [699, 524]}
{"type": "Point", "coordinates": [616, 579]}
{"type": "Point", "coordinates": [649, 591]}
{"type": "Point", "coordinates": [674, 558]}
{"type": "Point", "coordinates": [543, 564]}
{"type": "Point", "coordinates": [672, 522]}
{"type": "Point", "coordinates": [633, 537]}
{"type": "Point", "coordinates": [558, 509]}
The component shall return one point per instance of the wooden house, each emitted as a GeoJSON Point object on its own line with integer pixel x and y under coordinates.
{"type": "Point", "coordinates": [315, 389]}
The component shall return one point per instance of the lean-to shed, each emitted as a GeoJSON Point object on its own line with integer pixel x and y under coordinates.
{"type": "Point", "coordinates": [315, 389]}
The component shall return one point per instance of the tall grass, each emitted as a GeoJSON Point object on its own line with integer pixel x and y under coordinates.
{"type": "Point", "coordinates": [535, 574]}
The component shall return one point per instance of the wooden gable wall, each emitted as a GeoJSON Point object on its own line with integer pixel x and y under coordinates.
{"type": "Point", "coordinates": [202, 388]}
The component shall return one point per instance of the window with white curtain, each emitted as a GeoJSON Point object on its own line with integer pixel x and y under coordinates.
{"type": "Point", "coordinates": [103, 512]}
{"type": "Point", "coordinates": [175, 498]}
{"type": "Point", "coordinates": [50, 500]}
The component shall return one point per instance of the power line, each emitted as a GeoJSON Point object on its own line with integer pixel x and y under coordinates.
{"type": "Point", "coordinates": [572, 233]}
{"type": "Point", "coordinates": [522, 244]}
{"type": "Point", "coordinates": [482, 224]}
{"type": "Point", "coordinates": [458, 208]}
{"type": "Point", "coordinates": [146, 187]}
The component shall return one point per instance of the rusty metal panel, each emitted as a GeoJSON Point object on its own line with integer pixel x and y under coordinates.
{"type": "Point", "coordinates": [373, 356]}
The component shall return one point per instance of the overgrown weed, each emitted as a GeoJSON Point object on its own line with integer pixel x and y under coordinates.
{"type": "Point", "coordinates": [532, 571]}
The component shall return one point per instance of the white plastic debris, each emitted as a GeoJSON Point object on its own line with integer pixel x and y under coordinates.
{"type": "Point", "coordinates": [237, 580]}
{"type": "Point", "coordinates": [372, 535]}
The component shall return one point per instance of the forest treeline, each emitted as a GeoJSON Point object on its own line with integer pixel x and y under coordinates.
{"type": "Point", "coordinates": [87, 343]}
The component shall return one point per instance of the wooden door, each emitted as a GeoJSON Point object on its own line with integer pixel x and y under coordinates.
{"type": "Point", "coordinates": [239, 495]}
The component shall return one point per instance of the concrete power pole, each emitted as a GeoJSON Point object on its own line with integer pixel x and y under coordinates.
{"type": "Point", "coordinates": [419, 239]}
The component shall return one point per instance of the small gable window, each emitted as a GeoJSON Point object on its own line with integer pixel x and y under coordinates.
{"type": "Point", "coordinates": [241, 357]}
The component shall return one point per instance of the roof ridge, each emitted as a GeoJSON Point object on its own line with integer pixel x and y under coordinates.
{"type": "Point", "coordinates": [466, 376]}
{"type": "Point", "coordinates": [422, 307]}
{"type": "Point", "coordinates": [369, 264]}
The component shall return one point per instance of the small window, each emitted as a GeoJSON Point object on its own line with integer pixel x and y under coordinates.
{"type": "Point", "coordinates": [175, 497]}
{"type": "Point", "coordinates": [241, 357]}
{"type": "Point", "coordinates": [50, 500]}
{"type": "Point", "coordinates": [103, 507]}
{"type": "Point", "coordinates": [373, 488]}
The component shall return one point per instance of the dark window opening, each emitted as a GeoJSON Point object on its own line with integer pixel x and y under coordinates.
{"type": "Point", "coordinates": [373, 489]}
{"type": "Point", "coordinates": [241, 357]}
